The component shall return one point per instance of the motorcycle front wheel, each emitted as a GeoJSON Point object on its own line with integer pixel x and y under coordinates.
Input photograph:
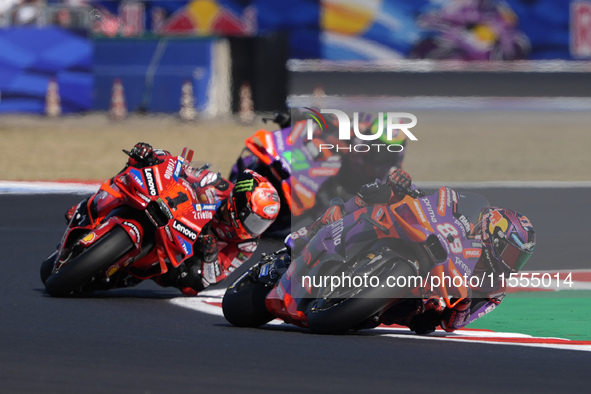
{"type": "Point", "coordinates": [47, 266]}
{"type": "Point", "coordinates": [341, 309]}
{"type": "Point", "coordinates": [92, 260]}
{"type": "Point", "coordinates": [244, 302]}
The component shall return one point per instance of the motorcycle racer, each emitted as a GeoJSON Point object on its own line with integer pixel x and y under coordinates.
{"type": "Point", "coordinates": [507, 238]}
{"type": "Point", "coordinates": [359, 168]}
{"type": "Point", "coordinates": [242, 213]}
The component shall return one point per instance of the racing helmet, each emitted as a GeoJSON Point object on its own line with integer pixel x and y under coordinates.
{"type": "Point", "coordinates": [378, 163]}
{"type": "Point", "coordinates": [253, 204]}
{"type": "Point", "coordinates": [508, 238]}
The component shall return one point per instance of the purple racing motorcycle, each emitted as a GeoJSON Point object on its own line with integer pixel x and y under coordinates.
{"type": "Point", "coordinates": [371, 261]}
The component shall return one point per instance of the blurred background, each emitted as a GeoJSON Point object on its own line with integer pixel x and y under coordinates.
{"type": "Point", "coordinates": [218, 56]}
{"type": "Point", "coordinates": [495, 82]}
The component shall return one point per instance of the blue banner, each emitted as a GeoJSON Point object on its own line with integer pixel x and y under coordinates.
{"type": "Point", "coordinates": [30, 58]}
{"type": "Point", "coordinates": [152, 72]}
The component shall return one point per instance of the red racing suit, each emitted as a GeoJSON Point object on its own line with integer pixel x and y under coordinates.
{"type": "Point", "coordinates": [232, 250]}
{"type": "Point", "coordinates": [220, 249]}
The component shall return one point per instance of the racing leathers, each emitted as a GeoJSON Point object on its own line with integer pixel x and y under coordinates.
{"type": "Point", "coordinates": [219, 249]}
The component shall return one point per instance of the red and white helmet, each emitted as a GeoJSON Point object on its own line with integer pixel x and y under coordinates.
{"type": "Point", "coordinates": [253, 204]}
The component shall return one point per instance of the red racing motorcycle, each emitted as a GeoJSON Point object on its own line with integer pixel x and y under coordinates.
{"type": "Point", "coordinates": [136, 226]}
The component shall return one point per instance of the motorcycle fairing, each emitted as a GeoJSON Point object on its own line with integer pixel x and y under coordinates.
{"type": "Point", "coordinates": [169, 204]}
{"type": "Point", "coordinates": [410, 226]}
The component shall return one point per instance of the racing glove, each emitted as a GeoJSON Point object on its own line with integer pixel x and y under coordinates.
{"type": "Point", "coordinates": [207, 246]}
{"type": "Point", "coordinates": [400, 182]}
{"type": "Point", "coordinates": [142, 154]}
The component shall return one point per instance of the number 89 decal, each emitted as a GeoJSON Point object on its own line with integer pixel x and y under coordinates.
{"type": "Point", "coordinates": [448, 229]}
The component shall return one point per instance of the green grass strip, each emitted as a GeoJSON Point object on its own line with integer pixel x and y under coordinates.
{"type": "Point", "coordinates": [563, 314]}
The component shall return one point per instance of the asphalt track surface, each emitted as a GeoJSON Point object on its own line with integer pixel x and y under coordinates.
{"type": "Point", "coordinates": [135, 341]}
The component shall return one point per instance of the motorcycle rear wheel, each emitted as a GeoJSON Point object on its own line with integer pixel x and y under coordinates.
{"type": "Point", "coordinates": [338, 312]}
{"type": "Point", "coordinates": [244, 303]}
{"type": "Point", "coordinates": [91, 261]}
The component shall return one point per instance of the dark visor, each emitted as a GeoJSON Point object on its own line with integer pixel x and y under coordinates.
{"type": "Point", "coordinates": [253, 223]}
{"type": "Point", "coordinates": [512, 256]}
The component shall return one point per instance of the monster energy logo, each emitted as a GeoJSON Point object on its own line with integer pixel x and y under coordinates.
{"type": "Point", "coordinates": [244, 186]}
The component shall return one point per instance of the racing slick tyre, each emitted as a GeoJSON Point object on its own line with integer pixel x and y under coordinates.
{"type": "Point", "coordinates": [244, 302]}
{"type": "Point", "coordinates": [346, 308]}
{"type": "Point", "coordinates": [47, 266]}
{"type": "Point", "coordinates": [92, 260]}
